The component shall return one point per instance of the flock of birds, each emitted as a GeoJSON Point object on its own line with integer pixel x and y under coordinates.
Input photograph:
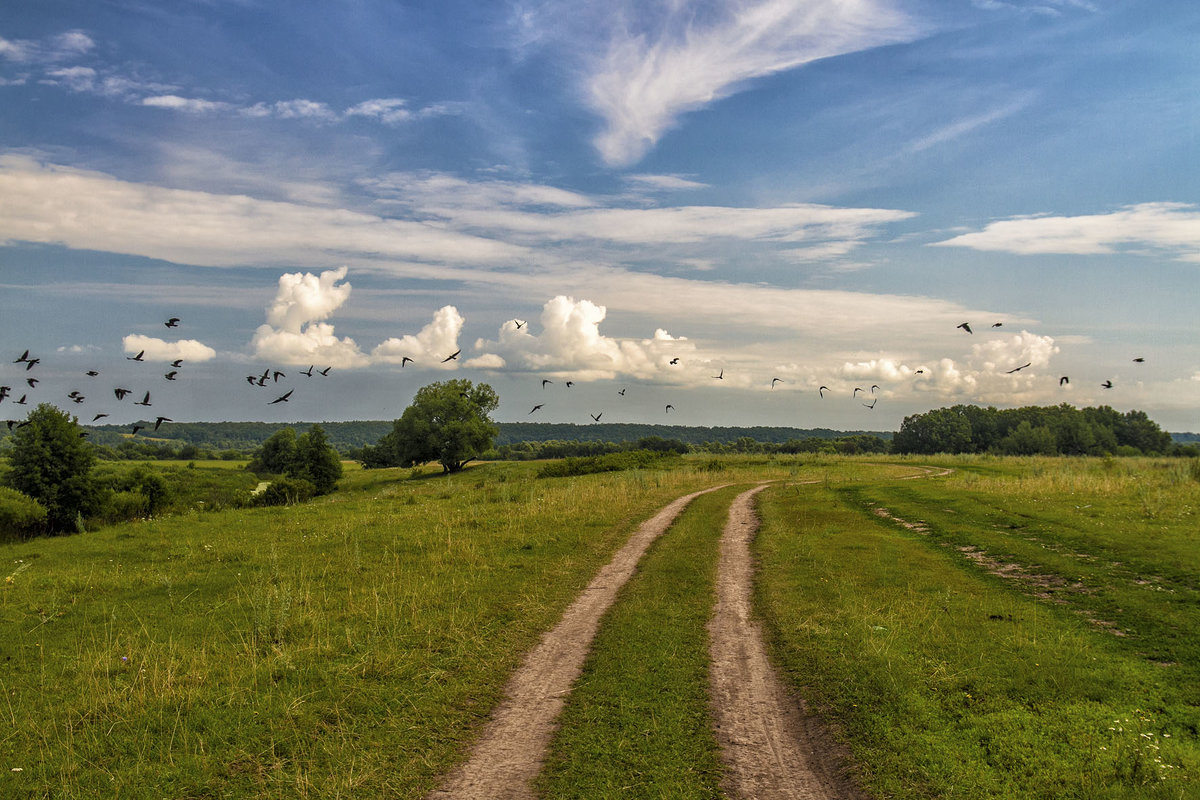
{"type": "Point", "coordinates": [271, 376]}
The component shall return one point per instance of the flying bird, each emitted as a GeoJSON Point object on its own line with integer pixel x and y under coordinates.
{"type": "Point", "coordinates": [674, 360]}
{"type": "Point", "coordinates": [1063, 380]}
{"type": "Point", "coordinates": [822, 390]}
{"type": "Point", "coordinates": [519, 324]}
{"type": "Point", "coordinates": [308, 371]}
{"type": "Point", "coordinates": [24, 357]}
{"type": "Point", "coordinates": [99, 416]}
{"type": "Point", "coordinates": [145, 401]}
{"type": "Point", "coordinates": [30, 362]}
{"type": "Point", "coordinates": [325, 372]}
{"type": "Point", "coordinates": [774, 380]}
{"type": "Point", "coordinates": [966, 326]}
{"type": "Point", "coordinates": [252, 380]}
{"type": "Point", "coordinates": [276, 375]}
{"type": "Point", "coordinates": [857, 389]}
{"type": "Point", "coordinates": [1107, 384]}
{"type": "Point", "coordinates": [282, 398]}
{"type": "Point", "coordinates": [136, 428]}
{"type": "Point", "coordinates": [160, 421]}
{"type": "Point", "coordinates": [669, 408]}
{"type": "Point", "coordinates": [535, 408]}
{"type": "Point", "coordinates": [452, 356]}
{"type": "Point", "coordinates": [173, 322]}
{"type": "Point", "coordinates": [20, 402]}
{"type": "Point", "coordinates": [874, 386]}
{"type": "Point", "coordinates": [177, 363]}
{"type": "Point", "coordinates": [33, 382]}
{"type": "Point", "coordinates": [545, 381]}
{"type": "Point", "coordinates": [872, 403]}
{"type": "Point", "coordinates": [4, 392]}
{"type": "Point", "coordinates": [570, 384]}
{"type": "Point", "coordinates": [720, 377]}
{"type": "Point", "coordinates": [920, 371]}
{"type": "Point", "coordinates": [91, 373]}
{"type": "Point", "coordinates": [997, 324]}
{"type": "Point", "coordinates": [1018, 369]}
{"type": "Point", "coordinates": [171, 375]}
{"type": "Point", "coordinates": [78, 399]}
{"type": "Point", "coordinates": [138, 357]}
{"type": "Point", "coordinates": [596, 417]}
{"type": "Point", "coordinates": [403, 361]}
{"type": "Point", "coordinates": [1139, 360]}
{"type": "Point", "coordinates": [622, 393]}
{"type": "Point", "coordinates": [120, 393]}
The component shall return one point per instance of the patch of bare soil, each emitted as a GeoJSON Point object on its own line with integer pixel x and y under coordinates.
{"type": "Point", "coordinates": [511, 750]}
{"type": "Point", "coordinates": [772, 747]}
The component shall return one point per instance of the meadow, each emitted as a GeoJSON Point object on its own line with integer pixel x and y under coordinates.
{"type": "Point", "coordinates": [1015, 628]}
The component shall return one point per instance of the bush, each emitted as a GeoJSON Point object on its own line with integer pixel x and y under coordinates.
{"type": "Point", "coordinates": [20, 516]}
{"type": "Point", "coordinates": [613, 462]}
{"type": "Point", "coordinates": [52, 463]}
{"type": "Point", "coordinates": [286, 492]}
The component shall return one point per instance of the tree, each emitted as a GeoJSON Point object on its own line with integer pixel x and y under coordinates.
{"type": "Point", "coordinates": [51, 463]}
{"type": "Point", "coordinates": [276, 454]}
{"type": "Point", "coordinates": [447, 422]}
{"type": "Point", "coordinates": [316, 461]}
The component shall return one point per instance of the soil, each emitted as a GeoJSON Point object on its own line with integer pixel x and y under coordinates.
{"type": "Point", "coordinates": [772, 747]}
{"type": "Point", "coordinates": [511, 749]}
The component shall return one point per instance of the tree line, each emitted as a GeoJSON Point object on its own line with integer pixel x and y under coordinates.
{"type": "Point", "coordinates": [1036, 430]}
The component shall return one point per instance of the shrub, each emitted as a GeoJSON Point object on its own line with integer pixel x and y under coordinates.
{"type": "Point", "coordinates": [20, 515]}
{"type": "Point", "coordinates": [286, 492]}
{"type": "Point", "coordinates": [51, 463]}
{"type": "Point", "coordinates": [613, 462]}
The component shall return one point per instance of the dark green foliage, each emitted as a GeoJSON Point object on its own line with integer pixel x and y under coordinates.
{"type": "Point", "coordinates": [612, 462]}
{"type": "Point", "coordinates": [286, 492]}
{"type": "Point", "coordinates": [316, 462]}
{"type": "Point", "coordinates": [276, 455]}
{"type": "Point", "coordinates": [51, 463]}
{"type": "Point", "coordinates": [447, 422]}
{"type": "Point", "coordinates": [1033, 430]}
{"type": "Point", "coordinates": [20, 515]}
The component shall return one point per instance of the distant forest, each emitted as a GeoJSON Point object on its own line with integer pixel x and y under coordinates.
{"type": "Point", "coordinates": [960, 429]}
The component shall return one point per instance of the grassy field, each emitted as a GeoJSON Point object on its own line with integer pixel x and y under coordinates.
{"type": "Point", "coordinates": [1017, 628]}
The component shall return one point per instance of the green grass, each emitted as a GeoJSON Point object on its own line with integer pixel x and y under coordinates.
{"type": "Point", "coordinates": [950, 680]}
{"type": "Point", "coordinates": [347, 647]}
{"type": "Point", "coordinates": [637, 723]}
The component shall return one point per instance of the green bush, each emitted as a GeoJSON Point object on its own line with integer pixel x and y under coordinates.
{"type": "Point", "coordinates": [123, 506]}
{"type": "Point", "coordinates": [612, 462]}
{"type": "Point", "coordinates": [286, 492]}
{"type": "Point", "coordinates": [20, 515]}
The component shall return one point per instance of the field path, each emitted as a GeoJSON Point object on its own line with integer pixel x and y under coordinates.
{"type": "Point", "coordinates": [510, 751]}
{"type": "Point", "coordinates": [770, 749]}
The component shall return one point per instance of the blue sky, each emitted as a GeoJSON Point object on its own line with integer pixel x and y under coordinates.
{"type": "Point", "coordinates": [818, 191]}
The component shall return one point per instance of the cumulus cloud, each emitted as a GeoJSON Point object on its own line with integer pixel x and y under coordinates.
{"type": "Point", "coordinates": [160, 350]}
{"type": "Point", "coordinates": [430, 346]}
{"type": "Point", "coordinates": [986, 375]}
{"type": "Point", "coordinates": [570, 344]}
{"type": "Point", "coordinates": [1170, 227]}
{"type": "Point", "coordinates": [295, 334]}
{"type": "Point", "coordinates": [664, 60]}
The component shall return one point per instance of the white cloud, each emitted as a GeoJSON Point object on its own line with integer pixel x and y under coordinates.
{"type": "Point", "coordinates": [189, 105]}
{"type": "Point", "coordinates": [664, 182]}
{"type": "Point", "coordinates": [1170, 227]}
{"type": "Point", "coordinates": [295, 334]}
{"type": "Point", "coordinates": [652, 71]}
{"type": "Point", "coordinates": [160, 350]}
{"type": "Point", "coordinates": [429, 347]}
{"type": "Point", "coordinates": [391, 110]}
{"type": "Point", "coordinates": [51, 49]}
{"type": "Point", "coordinates": [77, 79]}
{"type": "Point", "coordinates": [91, 210]}
{"type": "Point", "coordinates": [303, 109]}
{"type": "Point", "coordinates": [570, 344]}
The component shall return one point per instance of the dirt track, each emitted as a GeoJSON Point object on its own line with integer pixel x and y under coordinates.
{"type": "Point", "coordinates": [510, 752]}
{"type": "Point", "coordinates": [771, 749]}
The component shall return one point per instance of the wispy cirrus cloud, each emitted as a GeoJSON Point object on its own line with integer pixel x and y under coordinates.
{"type": "Point", "coordinates": [1173, 228]}
{"type": "Point", "coordinates": [654, 63]}
{"type": "Point", "coordinates": [51, 49]}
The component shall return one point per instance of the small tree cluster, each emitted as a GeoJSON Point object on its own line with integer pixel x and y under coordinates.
{"type": "Point", "coordinates": [51, 463]}
{"type": "Point", "coordinates": [309, 458]}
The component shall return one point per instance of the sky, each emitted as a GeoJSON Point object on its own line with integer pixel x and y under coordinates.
{"type": "Point", "coordinates": [603, 208]}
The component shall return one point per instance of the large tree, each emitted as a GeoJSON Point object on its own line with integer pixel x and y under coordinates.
{"type": "Point", "coordinates": [51, 463]}
{"type": "Point", "coordinates": [448, 422]}
{"type": "Point", "coordinates": [316, 461]}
